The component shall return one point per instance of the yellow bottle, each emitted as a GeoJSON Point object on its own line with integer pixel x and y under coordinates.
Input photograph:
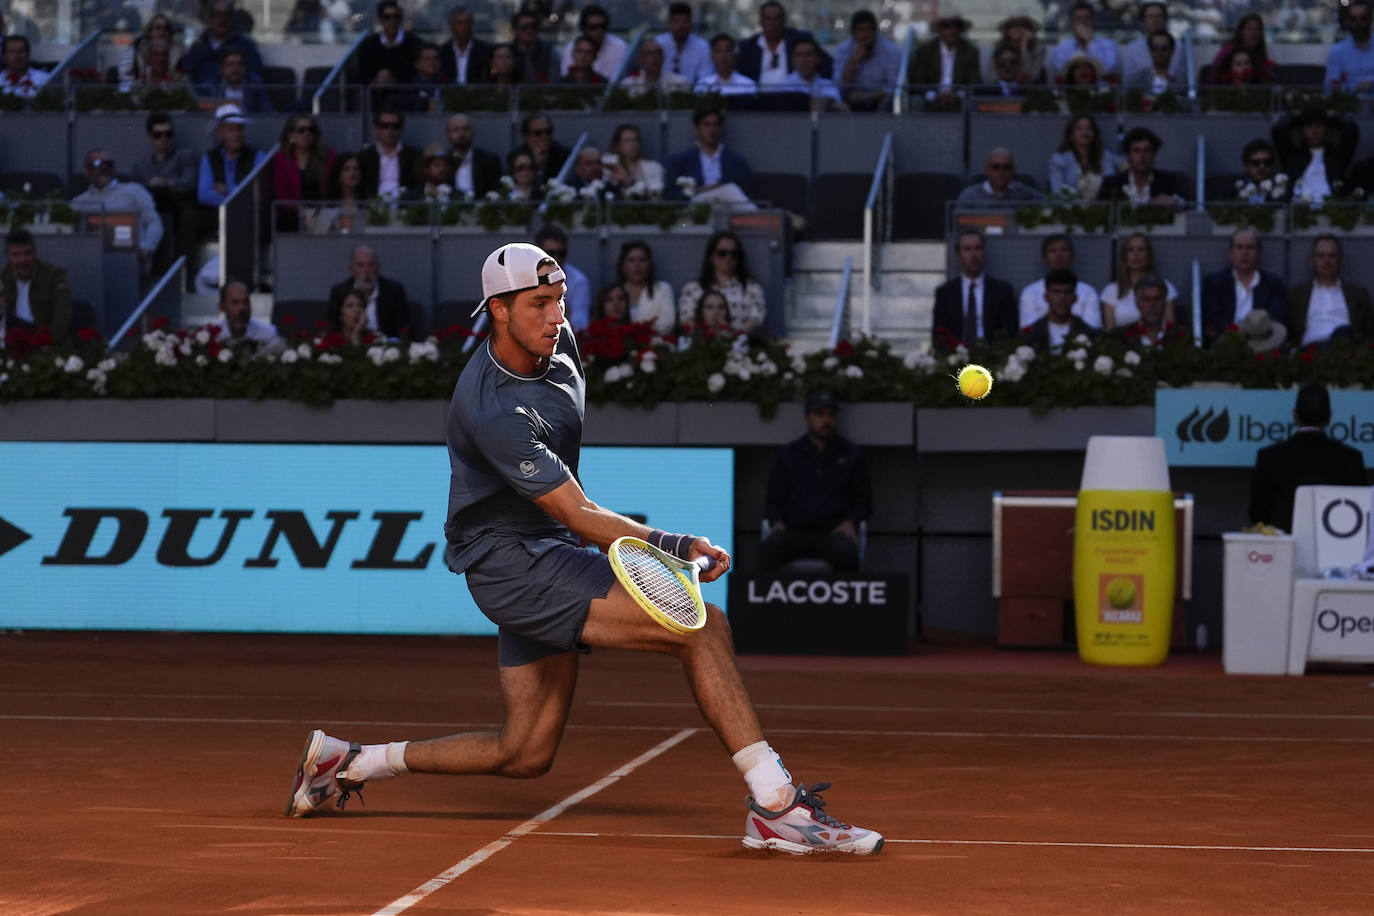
{"type": "Point", "coordinates": [1124, 553]}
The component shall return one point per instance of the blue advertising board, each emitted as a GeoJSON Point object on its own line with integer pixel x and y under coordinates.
{"type": "Point", "coordinates": [1225, 427]}
{"type": "Point", "coordinates": [287, 538]}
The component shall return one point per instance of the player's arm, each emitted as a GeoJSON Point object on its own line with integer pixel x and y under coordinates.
{"type": "Point", "coordinates": [568, 503]}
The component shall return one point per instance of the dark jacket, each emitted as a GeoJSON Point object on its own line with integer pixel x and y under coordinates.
{"type": "Point", "coordinates": [733, 168]}
{"type": "Point", "coordinates": [1038, 333]}
{"type": "Point", "coordinates": [811, 489]}
{"type": "Point", "coordinates": [1342, 137]}
{"type": "Point", "coordinates": [558, 154]}
{"type": "Point", "coordinates": [371, 161]}
{"type": "Point", "coordinates": [479, 59]}
{"type": "Point", "coordinates": [925, 69]}
{"type": "Point", "coordinates": [1163, 182]}
{"type": "Point", "coordinates": [537, 62]}
{"type": "Point", "coordinates": [50, 298]}
{"type": "Point", "coordinates": [393, 308]}
{"type": "Point", "coordinates": [1308, 458]}
{"type": "Point", "coordinates": [200, 63]}
{"type": "Point", "coordinates": [373, 57]}
{"type": "Point", "coordinates": [486, 170]}
{"type": "Point", "coordinates": [1219, 300]}
{"type": "Point", "coordinates": [1001, 313]}
{"type": "Point", "coordinates": [1357, 302]}
{"type": "Point", "coordinates": [749, 56]}
{"type": "Point", "coordinates": [255, 98]}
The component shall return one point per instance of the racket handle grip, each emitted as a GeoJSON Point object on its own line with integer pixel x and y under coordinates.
{"type": "Point", "coordinates": [705, 564]}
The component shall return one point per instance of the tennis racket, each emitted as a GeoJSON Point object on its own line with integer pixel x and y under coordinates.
{"type": "Point", "coordinates": [668, 589]}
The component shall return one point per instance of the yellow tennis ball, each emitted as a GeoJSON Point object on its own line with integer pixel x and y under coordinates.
{"type": "Point", "coordinates": [975, 382]}
{"type": "Point", "coordinates": [1121, 593]}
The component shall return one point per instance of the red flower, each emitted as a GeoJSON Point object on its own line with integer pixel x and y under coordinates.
{"type": "Point", "coordinates": [213, 330]}
{"type": "Point", "coordinates": [212, 348]}
{"type": "Point", "coordinates": [844, 348]}
{"type": "Point", "coordinates": [87, 335]}
{"type": "Point", "coordinates": [160, 322]}
{"type": "Point", "coordinates": [288, 319]}
{"type": "Point", "coordinates": [1306, 356]}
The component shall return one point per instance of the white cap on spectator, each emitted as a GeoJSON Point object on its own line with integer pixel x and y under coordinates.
{"type": "Point", "coordinates": [229, 114]}
{"type": "Point", "coordinates": [514, 268]}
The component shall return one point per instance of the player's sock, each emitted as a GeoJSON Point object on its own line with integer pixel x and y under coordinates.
{"type": "Point", "coordinates": [767, 777]}
{"type": "Point", "coordinates": [379, 761]}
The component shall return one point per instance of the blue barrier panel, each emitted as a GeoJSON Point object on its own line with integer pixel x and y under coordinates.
{"type": "Point", "coordinates": [35, 142]}
{"type": "Point", "coordinates": [1218, 427]}
{"type": "Point", "coordinates": [97, 548]}
{"type": "Point", "coordinates": [307, 265]}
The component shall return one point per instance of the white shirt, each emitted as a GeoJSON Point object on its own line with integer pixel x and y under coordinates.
{"type": "Point", "coordinates": [1124, 305]}
{"type": "Point", "coordinates": [1313, 180]}
{"type": "Point", "coordinates": [460, 62]}
{"type": "Point", "coordinates": [1033, 305]}
{"type": "Point", "coordinates": [818, 88]}
{"type": "Point", "coordinates": [710, 166]}
{"type": "Point", "coordinates": [462, 176]}
{"type": "Point", "coordinates": [1058, 334]}
{"type": "Point", "coordinates": [257, 331]}
{"type": "Point", "coordinates": [1137, 194]}
{"type": "Point", "coordinates": [736, 84]}
{"type": "Point", "coordinates": [692, 61]}
{"type": "Point", "coordinates": [388, 170]}
{"type": "Point", "coordinates": [1245, 295]}
{"type": "Point", "coordinates": [132, 196]}
{"type": "Point", "coordinates": [26, 86]}
{"type": "Point", "coordinates": [946, 65]}
{"type": "Point", "coordinates": [767, 72]}
{"type": "Point", "coordinates": [613, 49]}
{"type": "Point", "coordinates": [372, 306]}
{"type": "Point", "coordinates": [1326, 311]}
{"type": "Point", "coordinates": [22, 309]}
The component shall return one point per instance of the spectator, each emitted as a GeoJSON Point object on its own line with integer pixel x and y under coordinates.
{"type": "Point", "coordinates": [535, 59]}
{"type": "Point", "coordinates": [1022, 32]}
{"type": "Point", "coordinates": [351, 321]}
{"type": "Point", "coordinates": [1081, 163]}
{"type": "Point", "coordinates": [36, 292]}
{"type": "Point", "coordinates": [11, 344]}
{"type": "Point", "coordinates": [805, 78]}
{"type": "Point", "coordinates": [1350, 63]}
{"type": "Point", "coordinates": [1008, 80]}
{"type": "Point", "coordinates": [228, 162]}
{"type": "Point", "coordinates": [947, 61]}
{"type": "Point", "coordinates": [1136, 262]}
{"type": "Point", "coordinates": [435, 179]}
{"type": "Point", "coordinates": [867, 63]}
{"type": "Point", "coordinates": [687, 55]}
{"type": "Point", "coordinates": [1082, 39]}
{"type": "Point", "coordinates": [608, 50]}
{"type": "Point", "coordinates": [313, 22]}
{"type": "Point", "coordinates": [998, 187]}
{"type": "Point", "coordinates": [131, 60]}
{"type": "Point", "coordinates": [577, 298]}
{"type": "Point", "coordinates": [1150, 327]}
{"type": "Point", "coordinates": [235, 85]}
{"type": "Point", "coordinates": [1228, 296]}
{"type": "Point", "coordinates": [426, 90]}
{"type": "Point", "coordinates": [1142, 183]}
{"type": "Point", "coordinates": [347, 194]}
{"type": "Point", "coordinates": [626, 168]}
{"type": "Point", "coordinates": [1059, 325]}
{"type": "Point", "coordinates": [300, 168]}
{"type": "Point", "coordinates": [1082, 72]}
{"type": "Point", "coordinates": [1056, 253]}
{"type": "Point", "coordinates": [521, 172]}
{"type": "Point", "coordinates": [156, 71]}
{"type": "Point", "coordinates": [1309, 457]}
{"type": "Point", "coordinates": [19, 78]}
{"type": "Point", "coordinates": [547, 154]}
{"type": "Point", "coordinates": [651, 74]}
{"type": "Point", "coordinates": [200, 63]}
{"type": "Point", "coordinates": [388, 164]}
{"type": "Point", "coordinates": [387, 308]}
{"type": "Point", "coordinates": [1258, 159]}
{"type": "Point", "coordinates": [651, 299]}
{"type": "Point", "coordinates": [973, 306]}
{"type": "Point", "coordinates": [712, 318]}
{"type": "Point", "coordinates": [1326, 308]}
{"type": "Point", "coordinates": [587, 170]}
{"type": "Point", "coordinates": [108, 194]}
{"type": "Point", "coordinates": [169, 174]}
{"type": "Point", "coordinates": [819, 495]}
{"type": "Point", "coordinates": [387, 57]}
{"type": "Point", "coordinates": [476, 171]}
{"type": "Point", "coordinates": [579, 71]}
{"type": "Point", "coordinates": [504, 67]}
{"type": "Point", "coordinates": [611, 309]}
{"type": "Point", "coordinates": [1315, 150]}
{"type": "Point", "coordinates": [715, 171]}
{"type": "Point", "coordinates": [724, 79]}
{"type": "Point", "coordinates": [239, 329]}
{"type": "Point", "coordinates": [725, 267]}
{"type": "Point", "coordinates": [1249, 37]}
{"type": "Point", "coordinates": [766, 57]}
{"type": "Point", "coordinates": [1164, 74]}
{"type": "Point", "coordinates": [1237, 70]}
{"type": "Point", "coordinates": [1141, 62]}
{"type": "Point", "coordinates": [463, 58]}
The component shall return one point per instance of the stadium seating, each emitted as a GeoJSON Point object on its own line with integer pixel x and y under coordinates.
{"type": "Point", "coordinates": [40, 183]}
{"type": "Point", "coordinates": [919, 211]}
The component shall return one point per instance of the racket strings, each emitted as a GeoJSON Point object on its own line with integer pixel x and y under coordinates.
{"type": "Point", "coordinates": [661, 585]}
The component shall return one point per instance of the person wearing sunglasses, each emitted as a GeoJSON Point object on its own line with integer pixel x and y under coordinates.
{"type": "Point", "coordinates": [535, 59]}
{"type": "Point", "coordinates": [200, 63]}
{"type": "Point", "coordinates": [388, 164]}
{"type": "Point", "coordinates": [300, 168]}
{"type": "Point", "coordinates": [548, 154]}
{"type": "Point", "coordinates": [169, 174]}
{"type": "Point", "coordinates": [685, 54]}
{"type": "Point", "coordinates": [766, 57]}
{"type": "Point", "coordinates": [998, 187]}
{"type": "Point", "coordinates": [107, 193]}
{"type": "Point", "coordinates": [387, 56]}
{"type": "Point", "coordinates": [594, 24]}
{"type": "Point", "coordinates": [236, 85]}
{"type": "Point", "coordinates": [725, 268]}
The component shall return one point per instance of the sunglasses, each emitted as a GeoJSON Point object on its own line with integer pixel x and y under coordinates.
{"type": "Point", "coordinates": [312, 129]}
{"type": "Point", "coordinates": [100, 164]}
{"type": "Point", "coordinates": [388, 16]}
{"type": "Point", "coordinates": [1265, 160]}
{"type": "Point", "coordinates": [522, 167]}
{"type": "Point", "coordinates": [389, 125]}
{"type": "Point", "coordinates": [596, 27]}
{"type": "Point", "coordinates": [1001, 166]}
{"type": "Point", "coordinates": [160, 134]}
{"type": "Point", "coordinates": [545, 132]}
{"type": "Point", "coordinates": [726, 252]}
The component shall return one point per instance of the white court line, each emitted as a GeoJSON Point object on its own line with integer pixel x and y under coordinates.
{"type": "Point", "coordinates": [839, 732]}
{"type": "Point", "coordinates": [446, 877]}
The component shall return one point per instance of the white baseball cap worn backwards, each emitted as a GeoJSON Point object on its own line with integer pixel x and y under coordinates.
{"type": "Point", "coordinates": [514, 268]}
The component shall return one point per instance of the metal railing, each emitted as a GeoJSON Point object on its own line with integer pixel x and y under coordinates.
{"type": "Point", "coordinates": [317, 100]}
{"type": "Point", "coordinates": [1197, 302]}
{"type": "Point", "coordinates": [898, 93]}
{"type": "Point", "coordinates": [168, 286]}
{"type": "Point", "coordinates": [64, 66]}
{"type": "Point", "coordinates": [241, 217]}
{"type": "Point", "coordinates": [839, 324]}
{"type": "Point", "coordinates": [630, 58]}
{"type": "Point", "coordinates": [1189, 63]}
{"type": "Point", "coordinates": [877, 227]}
{"type": "Point", "coordinates": [1201, 189]}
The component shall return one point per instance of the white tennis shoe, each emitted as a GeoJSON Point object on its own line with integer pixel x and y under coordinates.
{"type": "Point", "coordinates": [804, 827]}
{"type": "Point", "coordinates": [319, 776]}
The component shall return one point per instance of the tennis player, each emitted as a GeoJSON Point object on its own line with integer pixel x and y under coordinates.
{"type": "Point", "coordinates": [515, 515]}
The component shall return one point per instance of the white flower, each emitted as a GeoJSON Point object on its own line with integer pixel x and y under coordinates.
{"type": "Point", "coordinates": [1266, 185]}
{"type": "Point", "coordinates": [1103, 365]}
{"type": "Point", "coordinates": [687, 183]}
{"type": "Point", "coordinates": [830, 363]}
{"type": "Point", "coordinates": [1248, 190]}
{"type": "Point", "coordinates": [1358, 193]}
{"type": "Point", "coordinates": [153, 340]}
{"type": "Point", "coordinates": [1013, 371]}
{"type": "Point", "coordinates": [226, 355]}
{"type": "Point", "coordinates": [853, 372]}
{"type": "Point", "coordinates": [492, 195]}
{"type": "Point", "coordinates": [922, 361]}
{"type": "Point", "coordinates": [1280, 179]}
{"type": "Point", "coordinates": [567, 196]}
{"type": "Point", "coordinates": [289, 357]}
{"type": "Point", "coordinates": [1077, 355]}
{"type": "Point", "coordinates": [506, 182]}
{"type": "Point", "coordinates": [588, 191]}
{"type": "Point", "coordinates": [1082, 340]}
{"type": "Point", "coordinates": [1078, 365]}
{"type": "Point", "coordinates": [1124, 372]}
{"type": "Point", "coordinates": [1240, 184]}
{"type": "Point", "coordinates": [1025, 354]}
{"type": "Point", "coordinates": [715, 383]}
{"type": "Point", "coordinates": [163, 357]}
{"type": "Point", "coordinates": [648, 365]}
{"type": "Point", "coordinates": [185, 348]}
{"type": "Point", "coordinates": [303, 351]}
{"type": "Point", "coordinates": [202, 337]}
{"type": "Point", "coordinates": [1131, 358]}
{"type": "Point", "coordinates": [798, 364]}
{"type": "Point", "coordinates": [73, 365]}
{"type": "Point", "coordinates": [28, 188]}
{"type": "Point", "coordinates": [610, 195]}
{"type": "Point", "coordinates": [391, 354]}
{"type": "Point", "coordinates": [201, 360]}
{"type": "Point", "coordinates": [106, 365]}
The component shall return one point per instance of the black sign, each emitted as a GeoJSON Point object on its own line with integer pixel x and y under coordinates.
{"type": "Point", "coordinates": [859, 614]}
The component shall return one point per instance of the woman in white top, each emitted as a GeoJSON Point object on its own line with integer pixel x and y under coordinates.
{"type": "Point", "coordinates": [159, 28]}
{"type": "Point", "coordinates": [724, 268]}
{"type": "Point", "coordinates": [626, 168]}
{"type": "Point", "coordinates": [1118, 299]}
{"type": "Point", "coordinates": [650, 299]}
{"type": "Point", "coordinates": [1082, 163]}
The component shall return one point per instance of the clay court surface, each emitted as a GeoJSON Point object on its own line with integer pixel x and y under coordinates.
{"type": "Point", "coordinates": [147, 773]}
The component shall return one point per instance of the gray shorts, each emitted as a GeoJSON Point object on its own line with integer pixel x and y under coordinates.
{"type": "Point", "coordinates": [538, 593]}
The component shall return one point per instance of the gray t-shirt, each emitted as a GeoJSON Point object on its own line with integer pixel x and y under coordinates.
{"type": "Point", "coordinates": [511, 438]}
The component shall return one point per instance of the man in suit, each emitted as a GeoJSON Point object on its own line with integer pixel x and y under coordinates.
{"type": "Point", "coordinates": [1315, 150]}
{"type": "Point", "coordinates": [1058, 327]}
{"type": "Point", "coordinates": [1326, 308]}
{"type": "Point", "coordinates": [972, 306]}
{"type": "Point", "coordinates": [36, 292]}
{"type": "Point", "coordinates": [388, 309]}
{"type": "Point", "coordinates": [594, 24]}
{"type": "Point", "coordinates": [1140, 58]}
{"type": "Point", "coordinates": [1229, 295]}
{"type": "Point", "coordinates": [463, 59]}
{"type": "Point", "coordinates": [548, 154]}
{"type": "Point", "coordinates": [475, 170]}
{"type": "Point", "coordinates": [387, 57]}
{"type": "Point", "coordinates": [708, 163]}
{"type": "Point", "coordinates": [946, 62]}
{"type": "Point", "coordinates": [537, 61]}
{"type": "Point", "coordinates": [1309, 457]}
{"type": "Point", "coordinates": [766, 57]}
{"type": "Point", "coordinates": [388, 164]}
{"type": "Point", "coordinates": [1141, 182]}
